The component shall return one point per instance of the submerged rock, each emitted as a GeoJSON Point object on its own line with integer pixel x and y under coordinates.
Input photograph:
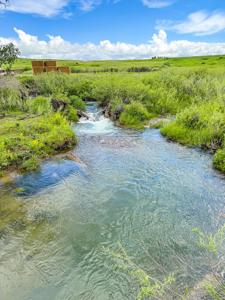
{"type": "Point", "coordinates": [73, 157]}
{"type": "Point", "coordinates": [82, 114]}
{"type": "Point", "coordinates": [58, 105]}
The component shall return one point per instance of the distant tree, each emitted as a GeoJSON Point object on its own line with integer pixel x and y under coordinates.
{"type": "Point", "coordinates": [8, 55]}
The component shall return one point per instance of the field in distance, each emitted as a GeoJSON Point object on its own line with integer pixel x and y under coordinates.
{"type": "Point", "coordinates": [147, 65]}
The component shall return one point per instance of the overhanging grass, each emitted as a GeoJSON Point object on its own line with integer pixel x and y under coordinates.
{"type": "Point", "coordinates": [24, 142]}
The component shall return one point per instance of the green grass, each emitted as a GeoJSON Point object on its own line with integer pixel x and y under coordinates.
{"type": "Point", "coordinates": [193, 96]}
{"type": "Point", "coordinates": [190, 91]}
{"type": "Point", "coordinates": [30, 128]}
{"type": "Point", "coordinates": [132, 65]}
{"type": "Point", "coordinates": [135, 115]}
{"type": "Point", "coordinates": [24, 142]}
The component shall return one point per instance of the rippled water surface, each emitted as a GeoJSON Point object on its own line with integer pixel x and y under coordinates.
{"type": "Point", "coordinates": [63, 229]}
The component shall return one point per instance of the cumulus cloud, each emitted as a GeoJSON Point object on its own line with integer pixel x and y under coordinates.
{"type": "Point", "coordinates": [198, 23]}
{"type": "Point", "coordinates": [47, 8]}
{"type": "Point", "coordinates": [56, 47]}
{"type": "Point", "coordinates": [157, 3]}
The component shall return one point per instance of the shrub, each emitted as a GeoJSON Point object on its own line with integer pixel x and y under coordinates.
{"type": "Point", "coordinates": [110, 87]}
{"type": "Point", "coordinates": [29, 165]}
{"type": "Point", "coordinates": [134, 115]}
{"type": "Point", "coordinates": [199, 125]}
{"type": "Point", "coordinates": [59, 83]}
{"type": "Point", "coordinates": [71, 114]}
{"type": "Point", "coordinates": [116, 108]}
{"type": "Point", "coordinates": [40, 105]}
{"type": "Point", "coordinates": [170, 91]}
{"type": "Point", "coordinates": [139, 69]}
{"type": "Point", "coordinates": [27, 81]}
{"type": "Point", "coordinates": [10, 99]}
{"type": "Point", "coordinates": [77, 102]}
{"type": "Point", "coordinates": [23, 142]}
{"type": "Point", "coordinates": [219, 160]}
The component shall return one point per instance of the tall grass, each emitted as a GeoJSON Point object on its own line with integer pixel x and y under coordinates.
{"type": "Point", "coordinates": [194, 95]}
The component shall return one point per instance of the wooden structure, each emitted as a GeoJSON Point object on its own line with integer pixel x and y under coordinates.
{"type": "Point", "coordinates": [46, 66]}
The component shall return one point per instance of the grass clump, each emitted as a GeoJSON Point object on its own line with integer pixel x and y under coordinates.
{"type": "Point", "coordinates": [135, 115]}
{"type": "Point", "coordinates": [219, 160]}
{"type": "Point", "coordinates": [40, 105]}
{"type": "Point", "coordinates": [77, 102]}
{"type": "Point", "coordinates": [59, 83]}
{"type": "Point", "coordinates": [23, 143]}
{"type": "Point", "coordinates": [201, 125]}
{"type": "Point", "coordinates": [71, 114]}
{"type": "Point", "coordinates": [10, 99]}
{"type": "Point", "coordinates": [29, 165]}
{"type": "Point", "coordinates": [127, 88]}
{"type": "Point", "coordinates": [171, 91]}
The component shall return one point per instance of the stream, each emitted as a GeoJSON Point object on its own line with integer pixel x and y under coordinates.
{"type": "Point", "coordinates": [64, 227]}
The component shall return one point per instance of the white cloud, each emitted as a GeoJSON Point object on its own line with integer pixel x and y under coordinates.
{"type": "Point", "coordinates": [88, 5]}
{"type": "Point", "coordinates": [56, 47]}
{"type": "Point", "coordinates": [198, 23]}
{"type": "Point", "coordinates": [157, 3]}
{"type": "Point", "coordinates": [45, 8]}
{"type": "Point", "coordinates": [49, 8]}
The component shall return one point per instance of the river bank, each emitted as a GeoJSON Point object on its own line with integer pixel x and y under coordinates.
{"type": "Point", "coordinates": [192, 99]}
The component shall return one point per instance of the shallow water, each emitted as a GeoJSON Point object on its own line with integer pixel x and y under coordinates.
{"type": "Point", "coordinates": [62, 231]}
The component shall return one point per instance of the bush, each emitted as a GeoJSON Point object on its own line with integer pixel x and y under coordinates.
{"type": "Point", "coordinates": [40, 105]}
{"type": "Point", "coordinates": [22, 142]}
{"type": "Point", "coordinates": [59, 83]}
{"type": "Point", "coordinates": [77, 102]}
{"type": "Point", "coordinates": [134, 115]}
{"type": "Point", "coordinates": [171, 91]}
{"type": "Point", "coordinates": [10, 99]}
{"type": "Point", "coordinates": [116, 108]}
{"type": "Point", "coordinates": [200, 125]}
{"type": "Point", "coordinates": [71, 114]}
{"type": "Point", "coordinates": [219, 160]}
{"type": "Point", "coordinates": [29, 83]}
{"type": "Point", "coordinates": [29, 165]}
{"type": "Point", "coordinates": [139, 69]}
{"type": "Point", "coordinates": [111, 87]}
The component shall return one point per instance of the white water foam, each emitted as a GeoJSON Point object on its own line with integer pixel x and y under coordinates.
{"type": "Point", "coordinates": [96, 124]}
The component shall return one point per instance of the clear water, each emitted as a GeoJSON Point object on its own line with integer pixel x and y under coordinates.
{"type": "Point", "coordinates": [61, 232]}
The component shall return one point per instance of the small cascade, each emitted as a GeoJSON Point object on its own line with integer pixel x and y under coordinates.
{"type": "Point", "coordinates": [95, 123]}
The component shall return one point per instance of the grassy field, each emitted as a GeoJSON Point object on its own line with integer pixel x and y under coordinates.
{"type": "Point", "coordinates": [132, 65]}
{"type": "Point", "coordinates": [188, 91]}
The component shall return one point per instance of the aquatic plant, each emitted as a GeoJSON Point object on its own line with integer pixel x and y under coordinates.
{"type": "Point", "coordinates": [213, 244]}
{"type": "Point", "coordinates": [147, 287]}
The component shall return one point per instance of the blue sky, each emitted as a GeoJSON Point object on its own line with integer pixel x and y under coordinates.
{"type": "Point", "coordinates": [75, 26]}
